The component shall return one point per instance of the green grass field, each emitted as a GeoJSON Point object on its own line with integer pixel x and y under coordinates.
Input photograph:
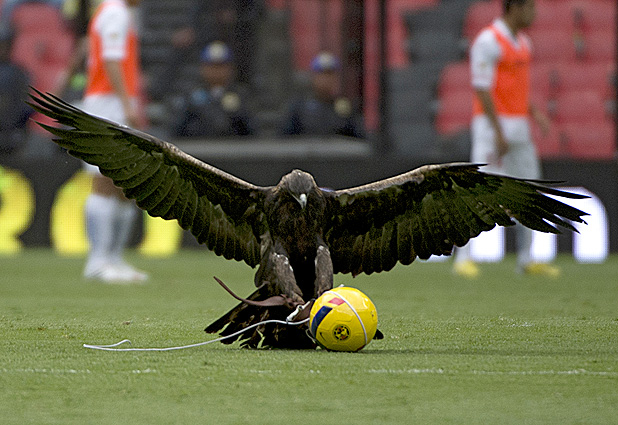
{"type": "Point", "coordinates": [504, 349]}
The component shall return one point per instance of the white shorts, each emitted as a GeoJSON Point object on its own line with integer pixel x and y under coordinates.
{"type": "Point", "coordinates": [521, 160]}
{"type": "Point", "coordinates": [104, 106]}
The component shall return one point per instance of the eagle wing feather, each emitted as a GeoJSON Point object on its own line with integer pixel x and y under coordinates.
{"type": "Point", "coordinates": [430, 210]}
{"type": "Point", "coordinates": [219, 209]}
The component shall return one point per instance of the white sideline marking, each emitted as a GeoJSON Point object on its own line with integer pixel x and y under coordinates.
{"type": "Point", "coordinates": [66, 371]}
{"type": "Point", "coordinates": [413, 371]}
{"type": "Point", "coordinates": [440, 371]}
{"type": "Point", "coordinates": [43, 370]}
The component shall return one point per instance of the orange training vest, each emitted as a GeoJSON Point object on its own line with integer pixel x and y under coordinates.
{"type": "Point", "coordinates": [511, 90]}
{"type": "Point", "coordinates": [98, 82]}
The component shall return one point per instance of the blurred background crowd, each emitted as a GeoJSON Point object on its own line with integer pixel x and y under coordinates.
{"type": "Point", "coordinates": [272, 69]}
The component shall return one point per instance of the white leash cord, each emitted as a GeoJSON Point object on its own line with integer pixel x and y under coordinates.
{"type": "Point", "coordinates": [112, 347]}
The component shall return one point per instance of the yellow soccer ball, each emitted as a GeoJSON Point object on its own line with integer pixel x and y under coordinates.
{"type": "Point", "coordinates": [343, 319]}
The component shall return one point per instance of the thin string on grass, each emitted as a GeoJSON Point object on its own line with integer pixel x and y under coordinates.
{"type": "Point", "coordinates": [113, 347]}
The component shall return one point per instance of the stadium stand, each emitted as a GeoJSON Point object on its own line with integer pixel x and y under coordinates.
{"type": "Point", "coordinates": [590, 140]}
{"type": "Point", "coordinates": [575, 52]}
{"type": "Point", "coordinates": [554, 15]}
{"type": "Point", "coordinates": [455, 112]}
{"type": "Point", "coordinates": [579, 107]}
{"type": "Point", "coordinates": [600, 45]}
{"type": "Point", "coordinates": [43, 46]}
{"type": "Point", "coordinates": [579, 76]}
{"type": "Point", "coordinates": [478, 16]}
{"type": "Point", "coordinates": [551, 45]}
{"type": "Point", "coordinates": [573, 75]}
{"type": "Point", "coordinates": [551, 145]}
{"type": "Point", "coordinates": [590, 15]}
{"type": "Point", "coordinates": [544, 80]}
{"type": "Point", "coordinates": [314, 27]}
{"type": "Point", "coordinates": [434, 40]}
{"type": "Point", "coordinates": [454, 76]}
{"type": "Point", "coordinates": [36, 18]}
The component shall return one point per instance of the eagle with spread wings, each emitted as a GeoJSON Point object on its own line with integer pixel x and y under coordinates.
{"type": "Point", "coordinates": [296, 233]}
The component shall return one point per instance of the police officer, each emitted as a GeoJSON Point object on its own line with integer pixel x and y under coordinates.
{"type": "Point", "coordinates": [218, 108]}
{"type": "Point", "coordinates": [323, 112]}
{"type": "Point", "coordinates": [14, 112]}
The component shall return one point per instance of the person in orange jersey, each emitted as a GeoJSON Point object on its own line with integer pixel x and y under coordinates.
{"type": "Point", "coordinates": [500, 58]}
{"type": "Point", "coordinates": [111, 92]}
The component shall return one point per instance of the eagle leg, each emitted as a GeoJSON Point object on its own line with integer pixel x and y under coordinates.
{"type": "Point", "coordinates": [276, 269]}
{"type": "Point", "coordinates": [275, 277]}
{"type": "Point", "coordinates": [272, 335]}
{"type": "Point", "coordinates": [323, 271]}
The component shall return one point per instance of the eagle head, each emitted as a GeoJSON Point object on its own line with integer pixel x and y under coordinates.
{"type": "Point", "coordinates": [298, 184]}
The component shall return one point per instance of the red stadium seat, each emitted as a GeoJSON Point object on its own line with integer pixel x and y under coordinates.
{"type": "Point", "coordinates": [541, 101]}
{"type": "Point", "coordinates": [596, 141]}
{"type": "Point", "coordinates": [595, 15]}
{"type": "Point", "coordinates": [48, 77]}
{"type": "Point", "coordinates": [28, 50]}
{"type": "Point", "coordinates": [600, 46]}
{"type": "Point", "coordinates": [577, 76]}
{"type": "Point", "coordinates": [580, 107]}
{"type": "Point", "coordinates": [454, 77]}
{"type": "Point", "coordinates": [37, 18]}
{"type": "Point", "coordinates": [549, 145]}
{"type": "Point", "coordinates": [454, 112]}
{"type": "Point", "coordinates": [480, 15]}
{"type": "Point", "coordinates": [553, 45]}
{"type": "Point", "coordinates": [553, 15]}
{"type": "Point", "coordinates": [276, 4]}
{"type": "Point", "coordinates": [543, 79]}
{"type": "Point", "coordinates": [60, 51]}
{"type": "Point", "coordinates": [396, 34]}
{"type": "Point", "coordinates": [306, 31]}
{"type": "Point", "coordinates": [43, 55]}
{"type": "Point", "coordinates": [316, 25]}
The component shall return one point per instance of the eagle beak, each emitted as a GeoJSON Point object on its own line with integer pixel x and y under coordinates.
{"type": "Point", "coordinates": [302, 200]}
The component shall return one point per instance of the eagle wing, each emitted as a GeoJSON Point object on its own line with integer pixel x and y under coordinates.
{"type": "Point", "coordinates": [220, 210]}
{"type": "Point", "coordinates": [429, 210]}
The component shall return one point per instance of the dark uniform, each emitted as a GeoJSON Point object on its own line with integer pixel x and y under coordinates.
{"type": "Point", "coordinates": [234, 22]}
{"type": "Point", "coordinates": [214, 113]}
{"type": "Point", "coordinates": [310, 116]}
{"type": "Point", "coordinates": [14, 112]}
{"type": "Point", "coordinates": [322, 112]}
{"type": "Point", "coordinates": [219, 107]}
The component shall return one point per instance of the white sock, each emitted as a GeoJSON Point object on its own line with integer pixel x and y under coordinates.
{"type": "Point", "coordinates": [462, 254]}
{"type": "Point", "coordinates": [100, 212]}
{"type": "Point", "coordinates": [524, 245]}
{"type": "Point", "coordinates": [125, 215]}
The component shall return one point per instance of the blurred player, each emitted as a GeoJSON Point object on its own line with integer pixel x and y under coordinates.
{"type": "Point", "coordinates": [500, 59]}
{"type": "Point", "coordinates": [111, 92]}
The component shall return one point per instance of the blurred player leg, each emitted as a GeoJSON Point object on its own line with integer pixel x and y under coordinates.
{"type": "Point", "coordinates": [100, 227]}
{"type": "Point", "coordinates": [125, 215]}
{"type": "Point", "coordinates": [463, 265]}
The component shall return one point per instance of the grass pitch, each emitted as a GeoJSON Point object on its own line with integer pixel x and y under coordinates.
{"type": "Point", "coordinates": [502, 349]}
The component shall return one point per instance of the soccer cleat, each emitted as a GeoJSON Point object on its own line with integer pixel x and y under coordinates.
{"type": "Point", "coordinates": [130, 273]}
{"type": "Point", "coordinates": [541, 269]}
{"type": "Point", "coordinates": [116, 274]}
{"type": "Point", "coordinates": [467, 269]}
